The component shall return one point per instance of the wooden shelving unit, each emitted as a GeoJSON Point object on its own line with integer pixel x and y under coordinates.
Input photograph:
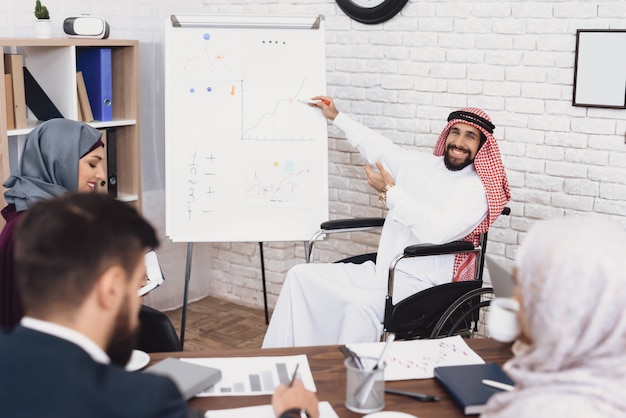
{"type": "Point", "coordinates": [53, 64]}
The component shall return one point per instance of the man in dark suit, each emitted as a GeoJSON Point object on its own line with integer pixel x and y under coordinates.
{"type": "Point", "coordinates": [81, 262]}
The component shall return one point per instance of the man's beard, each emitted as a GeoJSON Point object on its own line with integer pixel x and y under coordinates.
{"type": "Point", "coordinates": [458, 166]}
{"type": "Point", "coordinates": [123, 339]}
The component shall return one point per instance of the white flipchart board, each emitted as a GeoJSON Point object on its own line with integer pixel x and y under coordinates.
{"type": "Point", "coordinates": [245, 159]}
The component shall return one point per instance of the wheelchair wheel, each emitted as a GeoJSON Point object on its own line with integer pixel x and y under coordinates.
{"type": "Point", "coordinates": [467, 316]}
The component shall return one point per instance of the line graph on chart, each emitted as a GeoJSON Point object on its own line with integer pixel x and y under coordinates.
{"type": "Point", "coordinates": [278, 183]}
{"type": "Point", "coordinates": [271, 111]}
{"type": "Point", "coordinates": [416, 359]}
{"type": "Point", "coordinates": [423, 362]}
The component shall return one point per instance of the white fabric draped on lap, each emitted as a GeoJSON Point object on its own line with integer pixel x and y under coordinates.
{"type": "Point", "coordinates": [320, 305]}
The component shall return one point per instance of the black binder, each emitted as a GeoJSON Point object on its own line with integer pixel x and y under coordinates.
{"type": "Point", "coordinates": [37, 100]}
{"type": "Point", "coordinates": [111, 149]}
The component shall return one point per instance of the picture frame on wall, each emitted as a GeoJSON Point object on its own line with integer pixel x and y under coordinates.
{"type": "Point", "coordinates": [600, 68]}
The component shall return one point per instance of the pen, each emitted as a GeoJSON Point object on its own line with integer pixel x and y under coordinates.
{"type": "Point", "coordinates": [359, 364]}
{"type": "Point", "coordinates": [351, 354]}
{"type": "Point", "coordinates": [498, 385]}
{"type": "Point", "coordinates": [419, 396]}
{"type": "Point", "coordinates": [381, 360]}
{"type": "Point", "coordinates": [365, 388]}
{"type": "Point", "coordinates": [295, 373]}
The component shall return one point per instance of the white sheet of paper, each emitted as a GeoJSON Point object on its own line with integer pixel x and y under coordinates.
{"type": "Point", "coordinates": [264, 411]}
{"type": "Point", "coordinates": [417, 359]}
{"type": "Point", "coordinates": [245, 376]}
{"type": "Point", "coordinates": [154, 273]}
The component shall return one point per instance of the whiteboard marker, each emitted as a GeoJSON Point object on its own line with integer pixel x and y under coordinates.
{"type": "Point", "coordinates": [309, 101]}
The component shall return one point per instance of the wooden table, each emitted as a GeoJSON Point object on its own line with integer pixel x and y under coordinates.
{"type": "Point", "coordinates": [329, 373]}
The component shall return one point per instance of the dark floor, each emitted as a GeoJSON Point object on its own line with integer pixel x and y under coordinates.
{"type": "Point", "coordinates": [216, 323]}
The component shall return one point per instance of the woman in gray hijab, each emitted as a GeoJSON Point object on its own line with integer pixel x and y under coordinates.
{"type": "Point", "coordinates": [59, 156]}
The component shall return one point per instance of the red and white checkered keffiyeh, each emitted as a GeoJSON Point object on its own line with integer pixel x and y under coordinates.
{"type": "Point", "coordinates": [488, 165]}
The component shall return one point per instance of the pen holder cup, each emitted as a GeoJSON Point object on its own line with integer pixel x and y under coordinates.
{"type": "Point", "coordinates": [365, 387]}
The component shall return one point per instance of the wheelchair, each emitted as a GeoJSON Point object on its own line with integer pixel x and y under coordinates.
{"type": "Point", "coordinates": [455, 308]}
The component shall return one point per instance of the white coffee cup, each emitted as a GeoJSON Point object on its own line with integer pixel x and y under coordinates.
{"type": "Point", "coordinates": [502, 320]}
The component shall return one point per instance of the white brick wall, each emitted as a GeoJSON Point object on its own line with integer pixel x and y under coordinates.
{"type": "Point", "coordinates": [513, 58]}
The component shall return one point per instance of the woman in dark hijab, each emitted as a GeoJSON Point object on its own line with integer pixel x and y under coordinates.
{"type": "Point", "coordinates": [59, 156]}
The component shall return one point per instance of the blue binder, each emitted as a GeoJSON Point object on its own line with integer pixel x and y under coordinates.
{"type": "Point", "coordinates": [95, 63]}
{"type": "Point", "coordinates": [464, 383]}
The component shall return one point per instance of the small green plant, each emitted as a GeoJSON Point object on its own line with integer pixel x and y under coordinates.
{"type": "Point", "coordinates": [41, 12]}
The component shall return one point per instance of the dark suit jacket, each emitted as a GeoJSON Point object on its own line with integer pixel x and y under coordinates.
{"type": "Point", "coordinates": [45, 376]}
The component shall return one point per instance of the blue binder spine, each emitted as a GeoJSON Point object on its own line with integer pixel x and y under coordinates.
{"type": "Point", "coordinates": [96, 66]}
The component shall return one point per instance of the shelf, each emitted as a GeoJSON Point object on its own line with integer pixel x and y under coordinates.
{"type": "Point", "coordinates": [53, 64]}
{"type": "Point", "coordinates": [32, 124]}
{"type": "Point", "coordinates": [127, 197]}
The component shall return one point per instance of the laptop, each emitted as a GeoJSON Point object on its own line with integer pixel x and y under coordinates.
{"type": "Point", "coordinates": [502, 279]}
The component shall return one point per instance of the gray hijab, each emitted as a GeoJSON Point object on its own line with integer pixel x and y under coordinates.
{"type": "Point", "coordinates": [571, 277]}
{"type": "Point", "coordinates": [49, 164]}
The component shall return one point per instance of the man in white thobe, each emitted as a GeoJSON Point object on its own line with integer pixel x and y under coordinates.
{"type": "Point", "coordinates": [454, 194]}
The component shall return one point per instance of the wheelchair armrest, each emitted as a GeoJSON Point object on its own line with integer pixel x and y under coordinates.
{"type": "Point", "coordinates": [420, 250]}
{"type": "Point", "coordinates": [339, 226]}
{"type": "Point", "coordinates": [352, 223]}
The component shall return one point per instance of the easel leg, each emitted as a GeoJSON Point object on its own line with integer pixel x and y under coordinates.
{"type": "Point", "coordinates": [267, 320]}
{"type": "Point", "coordinates": [185, 294]}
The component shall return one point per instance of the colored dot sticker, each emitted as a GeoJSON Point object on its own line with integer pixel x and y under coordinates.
{"type": "Point", "coordinates": [192, 90]}
{"type": "Point", "coordinates": [206, 36]}
{"type": "Point", "coordinates": [209, 89]}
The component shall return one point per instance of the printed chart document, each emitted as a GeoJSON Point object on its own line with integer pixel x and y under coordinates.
{"type": "Point", "coordinates": [245, 376]}
{"type": "Point", "coordinates": [264, 411]}
{"type": "Point", "coordinates": [417, 359]}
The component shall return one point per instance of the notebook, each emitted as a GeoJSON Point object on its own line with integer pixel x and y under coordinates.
{"type": "Point", "coordinates": [464, 384]}
{"type": "Point", "coordinates": [502, 279]}
{"type": "Point", "coordinates": [190, 378]}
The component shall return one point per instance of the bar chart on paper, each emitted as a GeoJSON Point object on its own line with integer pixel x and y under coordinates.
{"type": "Point", "coordinates": [245, 376]}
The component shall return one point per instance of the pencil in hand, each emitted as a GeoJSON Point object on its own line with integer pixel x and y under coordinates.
{"type": "Point", "coordinates": [295, 374]}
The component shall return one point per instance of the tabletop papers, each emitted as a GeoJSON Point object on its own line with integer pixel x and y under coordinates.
{"type": "Point", "coordinates": [246, 376]}
{"type": "Point", "coordinates": [264, 411]}
{"type": "Point", "coordinates": [417, 359]}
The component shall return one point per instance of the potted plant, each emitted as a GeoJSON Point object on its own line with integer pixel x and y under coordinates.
{"type": "Point", "coordinates": [43, 26]}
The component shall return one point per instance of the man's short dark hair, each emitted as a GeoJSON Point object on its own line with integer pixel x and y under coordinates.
{"type": "Point", "coordinates": [64, 245]}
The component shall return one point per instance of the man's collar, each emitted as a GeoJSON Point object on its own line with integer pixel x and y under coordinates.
{"type": "Point", "coordinates": [97, 354]}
